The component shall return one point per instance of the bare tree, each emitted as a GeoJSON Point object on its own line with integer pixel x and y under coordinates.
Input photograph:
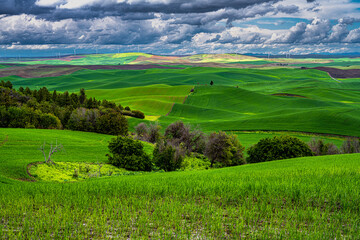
{"type": "Point", "coordinates": [52, 150]}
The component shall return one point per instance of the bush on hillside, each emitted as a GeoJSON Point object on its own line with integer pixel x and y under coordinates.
{"type": "Point", "coordinates": [224, 150]}
{"type": "Point", "coordinates": [112, 123]}
{"type": "Point", "coordinates": [149, 133]}
{"type": "Point", "coordinates": [141, 131]}
{"type": "Point", "coordinates": [180, 134]}
{"type": "Point", "coordinates": [195, 162]}
{"type": "Point", "coordinates": [277, 148]}
{"type": "Point", "coordinates": [138, 114]}
{"type": "Point", "coordinates": [129, 154]}
{"type": "Point", "coordinates": [167, 157]}
{"type": "Point", "coordinates": [319, 147]}
{"type": "Point", "coordinates": [154, 133]}
{"type": "Point", "coordinates": [351, 145]}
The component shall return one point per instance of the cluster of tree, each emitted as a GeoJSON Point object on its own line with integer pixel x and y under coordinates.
{"type": "Point", "coordinates": [284, 147]}
{"type": "Point", "coordinates": [178, 143]}
{"type": "Point", "coordinates": [319, 147]}
{"type": "Point", "coordinates": [26, 108]}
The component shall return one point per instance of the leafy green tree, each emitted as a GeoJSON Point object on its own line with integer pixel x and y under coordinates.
{"type": "Point", "coordinates": [277, 148]}
{"type": "Point", "coordinates": [129, 154]}
{"type": "Point", "coordinates": [112, 123]}
{"type": "Point", "coordinates": [167, 157]}
{"type": "Point", "coordinates": [82, 96]}
{"type": "Point", "coordinates": [27, 91]}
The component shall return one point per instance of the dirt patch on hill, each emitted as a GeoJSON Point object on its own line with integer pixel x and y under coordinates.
{"type": "Point", "coordinates": [69, 58]}
{"type": "Point", "coordinates": [127, 67]}
{"type": "Point", "coordinates": [340, 73]}
{"type": "Point", "coordinates": [33, 71]}
{"type": "Point", "coordinates": [288, 95]}
{"type": "Point", "coordinates": [39, 71]}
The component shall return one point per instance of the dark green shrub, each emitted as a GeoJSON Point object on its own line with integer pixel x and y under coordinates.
{"type": "Point", "coordinates": [138, 114]}
{"type": "Point", "coordinates": [112, 123]}
{"type": "Point", "coordinates": [276, 148]}
{"type": "Point", "coordinates": [167, 157]}
{"type": "Point", "coordinates": [129, 154]}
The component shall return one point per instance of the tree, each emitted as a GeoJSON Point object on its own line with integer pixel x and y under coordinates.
{"type": "Point", "coordinates": [82, 97]}
{"type": "Point", "coordinates": [277, 148]}
{"type": "Point", "coordinates": [224, 150]}
{"type": "Point", "coordinates": [351, 145]}
{"type": "Point", "coordinates": [179, 133]}
{"type": "Point", "coordinates": [112, 123]}
{"type": "Point", "coordinates": [54, 96]}
{"type": "Point", "coordinates": [129, 154]}
{"type": "Point", "coordinates": [319, 147]}
{"type": "Point", "coordinates": [52, 150]}
{"type": "Point", "coordinates": [154, 132]}
{"type": "Point", "coordinates": [167, 157]}
{"type": "Point", "coordinates": [142, 131]}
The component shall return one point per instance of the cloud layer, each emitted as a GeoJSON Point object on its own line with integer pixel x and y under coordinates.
{"type": "Point", "coordinates": [179, 26]}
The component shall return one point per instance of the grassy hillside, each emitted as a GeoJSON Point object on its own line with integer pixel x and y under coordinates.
{"type": "Point", "coordinates": [21, 147]}
{"type": "Point", "coordinates": [305, 198]}
{"type": "Point", "coordinates": [240, 99]}
{"type": "Point", "coordinates": [153, 100]}
{"type": "Point", "coordinates": [229, 108]}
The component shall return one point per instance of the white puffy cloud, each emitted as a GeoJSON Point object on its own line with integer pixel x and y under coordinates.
{"type": "Point", "coordinates": [354, 36]}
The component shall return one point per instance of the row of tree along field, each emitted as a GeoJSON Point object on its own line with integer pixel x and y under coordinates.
{"type": "Point", "coordinates": [181, 146]}
{"type": "Point", "coordinates": [26, 108]}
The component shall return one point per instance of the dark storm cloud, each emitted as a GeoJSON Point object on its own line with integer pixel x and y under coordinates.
{"type": "Point", "coordinates": [55, 10]}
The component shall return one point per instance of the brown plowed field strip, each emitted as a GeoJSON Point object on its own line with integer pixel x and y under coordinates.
{"type": "Point", "coordinates": [340, 73]}
{"type": "Point", "coordinates": [37, 71]}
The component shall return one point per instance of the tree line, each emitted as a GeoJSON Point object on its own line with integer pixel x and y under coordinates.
{"type": "Point", "coordinates": [180, 142]}
{"type": "Point", "coordinates": [26, 108]}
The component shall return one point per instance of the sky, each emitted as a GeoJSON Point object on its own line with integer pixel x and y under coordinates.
{"type": "Point", "coordinates": [179, 27]}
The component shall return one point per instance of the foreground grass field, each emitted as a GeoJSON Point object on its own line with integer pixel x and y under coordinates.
{"type": "Point", "coordinates": [306, 198]}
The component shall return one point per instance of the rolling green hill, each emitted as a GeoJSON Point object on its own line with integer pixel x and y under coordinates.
{"type": "Point", "coordinates": [240, 99]}
{"type": "Point", "coordinates": [229, 108]}
{"type": "Point", "coordinates": [304, 198]}
{"type": "Point", "coordinates": [155, 100]}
